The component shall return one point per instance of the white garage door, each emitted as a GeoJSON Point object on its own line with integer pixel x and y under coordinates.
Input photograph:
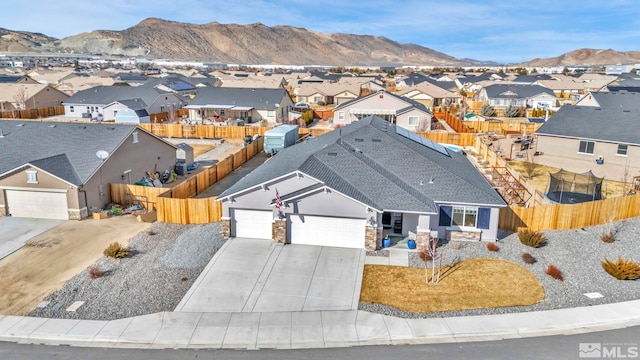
{"type": "Point", "coordinates": [253, 224]}
{"type": "Point", "coordinates": [37, 204]}
{"type": "Point", "coordinates": [327, 231]}
{"type": "Point", "coordinates": [341, 100]}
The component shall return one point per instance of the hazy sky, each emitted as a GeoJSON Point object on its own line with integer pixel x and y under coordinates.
{"type": "Point", "coordinates": [503, 31]}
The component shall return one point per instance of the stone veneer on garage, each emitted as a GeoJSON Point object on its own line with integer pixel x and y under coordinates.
{"type": "Point", "coordinates": [279, 231]}
{"type": "Point", "coordinates": [373, 238]}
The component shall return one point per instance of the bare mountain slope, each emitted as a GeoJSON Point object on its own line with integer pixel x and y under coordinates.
{"type": "Point", "coordinates": [23, 42]}
{"type": "Point", "coordinates": [588, 57]}
{"type": "Point", "coordinates": [249, 44]}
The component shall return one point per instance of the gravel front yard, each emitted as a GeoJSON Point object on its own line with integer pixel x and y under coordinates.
{"type": "Point", "coordinates": [577, 253]}
{"type": "Point", "coordinates": [158, 275]}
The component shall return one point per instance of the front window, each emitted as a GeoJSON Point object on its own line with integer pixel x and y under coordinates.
{"type": "Point", "coordinates": [71, 109]}
{"type": "Point", "coordinates": [586, 147]}
{"type": "Point", "coordinates": [135, 137]}
{"type": "Point", "coordinates": [271, 113]}
{"type": "Point", "coordinates": [341, 115]}
{"type": "Point", "coordinates": [622, 150]}
{"type": "Point", "coordinates": [464, 216]}
{"type": "Point", "coordinates": [413, 120]}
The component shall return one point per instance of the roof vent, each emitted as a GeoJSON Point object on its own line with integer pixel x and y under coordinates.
{"type": "Point", "coordinates": [359, 140]}
{"type": "Point", "coordinates": [597, 109]}
{"type": "Point", "coordinates": [110, 128]}
{"type": "Point", "coordinates": [332, 154]}
{"type": "Point", "coordinates": [82, 127]}
{"type": "Point", "coordinates": [52, 125]}
{"type": "Point", "coordinates": [1, 134]}
{"type": "Point", "coordinates": [431, 180]}
{"type": "Point", "coordinates": [626, 110]}
{"type": "Point", "coordinates": [376, 140]}
{"type": "Point", "coordinates": [19, 125]}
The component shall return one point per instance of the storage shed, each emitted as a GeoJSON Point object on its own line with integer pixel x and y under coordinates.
{"type": "Point", "coordinates": [184, 154]}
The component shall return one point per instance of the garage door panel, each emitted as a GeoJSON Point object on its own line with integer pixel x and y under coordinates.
{"type": "Point", "coordinates": [326, 231]}
{"type": "Point", "coordinates": [37, 204]}
{"type": "Point", "coordinates": [253, 224]}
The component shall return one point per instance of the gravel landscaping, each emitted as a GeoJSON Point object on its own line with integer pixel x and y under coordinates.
{"type": "Point", "coordinates": [155, 278]}
{"type": "Point", "coordinates": [577, 253]}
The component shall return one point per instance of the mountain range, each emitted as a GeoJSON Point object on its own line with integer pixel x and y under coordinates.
{"type": "Point", "coordinates": [259, 44]}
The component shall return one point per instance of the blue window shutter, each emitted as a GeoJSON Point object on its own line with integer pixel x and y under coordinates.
{"type": "Point", "coordinates": [445, 215]}
{"type": "Point", "coordinates": [484, 217]}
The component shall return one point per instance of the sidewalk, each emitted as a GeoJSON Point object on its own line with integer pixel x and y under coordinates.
{"type": "Point", "coordinates": [312, 329]}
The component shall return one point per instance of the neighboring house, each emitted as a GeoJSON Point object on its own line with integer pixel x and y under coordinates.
{"type": "Point", "coordinates": [346, 187]}
{"type": "Point", "coordinates": [249, 105]}
{"type": "Point", "coordinates": [17, 79]}
{"type": "Point", "coordinates": [590, 132]}
{"type": "Point", "coordinates": [52, 169]}
{"type": "Point", "coordinates": [24, 96]}
{"type": "Point", "coordinates": [53, 77]}
{"type": "Point", "coordinates": [75, 83]}
{"type": "Point", "coordinates": [327, 93]}
{"type": "Point", "coordinates": [618, 69]}
{"type": "Point", "coordinates": [625, 82]}
{"type": "Point", "coordinates": [570, 87]}
{"type": "Point", "coordinates": [430, 95]}
{"type": "Point", "coordinates": [399, 110]}
{"type": "Point", "coordinates": [500, 96]}
{"type": "Point", "coordinates": [92, 102]}
{"type": "Point", "coordinates": [611, 100]}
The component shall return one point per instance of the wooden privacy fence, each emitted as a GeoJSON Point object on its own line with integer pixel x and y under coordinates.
{"type": "Point", "coordinates": [203, 131]}
{"type": "Point", "coordinates": [146, 196]}
{"type": "Point", "coordinates": [569, 216]}
{"type": "Point", "coordinates": [33, 113]}
{"type": "Point", "coordinates": [163, 116]}
{"type": "Point", "coordinates": [177, 205]}
{"type": "Point", "coordinates": [501, 127]}
{"type": "Point", "coordinates": [460, 139]}
{"type": "Point", "coordinates": [453, 121]}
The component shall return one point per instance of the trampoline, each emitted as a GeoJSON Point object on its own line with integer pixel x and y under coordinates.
{"type": "Point", "coordinates": [566, 187]}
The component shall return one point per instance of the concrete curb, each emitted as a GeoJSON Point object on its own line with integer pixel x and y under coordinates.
{"type": "Point", "coordinates": [312, 329]}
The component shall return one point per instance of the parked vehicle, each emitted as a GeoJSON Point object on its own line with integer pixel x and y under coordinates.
{"type": "Point", "coordinates": [301, 106]}
{"type": "Point", "coordinates": [279, 138]}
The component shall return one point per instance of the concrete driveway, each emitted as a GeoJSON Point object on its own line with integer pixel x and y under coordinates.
{"type": "Point", "coordinates": [252, 275]}
{"type": "Point", "coordinates": [15, 232]}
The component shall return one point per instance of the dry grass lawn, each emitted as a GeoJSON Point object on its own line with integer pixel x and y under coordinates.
{"type": "Point", "coordinates": [470, 284]}
{"type": "Point", "coordinates": [540, 179]}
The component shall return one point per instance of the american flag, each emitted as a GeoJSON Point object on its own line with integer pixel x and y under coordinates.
{"type": "Point", "coordinates": [278, 202]}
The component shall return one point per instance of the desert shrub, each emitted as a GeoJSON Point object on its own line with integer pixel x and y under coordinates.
{"type": "Point", "coordinates": [623, 269]}
{"type": "Point", "coordinates": [608, 238]}
{"type": "Point", "coordinates": [554, 272]}
{"type": "Point", "coordinates": [116, 211]}
{"type": "Point", "coordinates": [117, 251]}
{"type": "Point", "coordinates": [458, 245]}
{"type": "Point", "coordinates": [424, 255]}
{"type": "Point", "coordinates": [528, 258]}
{"type": "Point", "coordinates": [493, 247]}
{"type": "Point", "coordinates": [94, 272]}
{"type": "Point", "coordinates": [531, 238]}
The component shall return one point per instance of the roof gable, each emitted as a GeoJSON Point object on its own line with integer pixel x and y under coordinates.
{"type": "Point", "coordinates": [75, 146]}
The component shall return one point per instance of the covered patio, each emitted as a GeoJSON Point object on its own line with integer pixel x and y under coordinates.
{"type": "Point", "coordinates": [219, 113]}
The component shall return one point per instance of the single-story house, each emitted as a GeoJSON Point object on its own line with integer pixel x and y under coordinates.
{"type": "Point", "coordinates": [92, 102]}
{"type": "Point", "coordinates": [62, 170]}
{"type": "Point", "coordinates": [589, 132]}
{"type": "Point", "coordinates": [344, 188]}
{"type": "Point", "coordinates": [400, 110]}
{"type": "Point", "coordinates": [327, 93]}
{"type": "Point", "coordinates": [249, 105]}
{"type": "Point", "coordinates": [22, 96]}
{"type": "Point", "coordinates": [500, 96]}
{"type": "Point", "coordinates": [430, 95]}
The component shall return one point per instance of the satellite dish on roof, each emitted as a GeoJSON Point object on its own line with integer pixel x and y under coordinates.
{"type": "Point", "coordinates": [102, 155]}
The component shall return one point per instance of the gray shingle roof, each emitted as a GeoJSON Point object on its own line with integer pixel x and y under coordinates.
{"type": "Point", "coordinates": [108, 94]}
{"type": "Point", "coordinates": [501, 91]}
{"type": "Point", "coordinates": [368, 161]}
{"type": "Point", "coordinates": [72, 145]}
{"type": "Point", "coordinates": [263, 99]}
{"type": "Point", "coordinates": [411, 103]}
{"type": "Point", "coordinates": [617, 99]}
{"type": "Point", "coordinates": [604, 124]}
